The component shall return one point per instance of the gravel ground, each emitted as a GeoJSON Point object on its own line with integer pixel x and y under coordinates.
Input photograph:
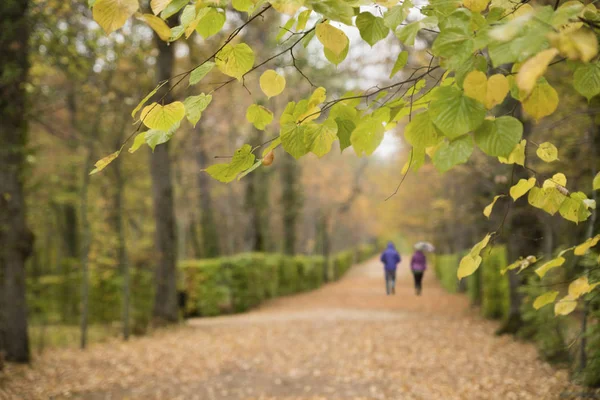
{"type": "Point", "coordinates": [345, 341]}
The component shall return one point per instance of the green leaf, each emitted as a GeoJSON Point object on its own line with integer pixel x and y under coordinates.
{"type": "Point", "coordinates": [259, 116]}
{"type": "Point", "coordinates": [320, 137]}
{"type": "Point", "coordinates": [195, 105]}
{"type": "Point", "coordinates": [211, 24]}
{"type": "Point", "coordinates": [586, 80]}
{"type": "Point", "coordinates": [367, 136]}
{"type": "Point", "coordinates": [336, 59]}
{"type": "Point", "coordinates": [227, 172]}
{"type": "Point", "coordinates": [242, 5]}
{"type": "Point", "coordinates": [397, 14]}
{"type": "Point", "coordinates": [235, 60]}
{"type": "Point", "coordinates": [421, 132]}
{"type": "Point", "coordinates": [154, 137]}
{"type": "Point", "coordinates": [545, 299]}
{"type": "Point", "coordinates": [271, 146]}
{"type": "Point", "coordinates": [344, 132]}
{"type": "Point", "coordinates": [332, 38]}
{"type": "Point", "coordinates": [334, 10]}
{"type": "Point", "coordinates": [557, 262]}
{"type": "Point", "coordinates": [454, 113]}
{"type": "Point", "coordinates": [200, 72]}
{"type": "Point", "coordinates": [292, 139]}
{"type": "Point", "coordinates": [271, 83]}
{"type": "Point", "coordinates": [112, 14]}
{"type": "Point", "coordinates": [521, 188]}
{"type": "Point", "coordinates": [372, 29]}
{"type": "Point", "coordinates": [156, 116]}
{"type": "Point", "coordinates": [499, 137]}
{"type": "Point", "coordinates": [249, 170]}
{"type": "Point", "coordinates": [302, 20]}
{"type": "Point", "coordinates": [145, 99]}
{"type": "Point", "coordinates": [285, 29]}
{"type": "Point", "coordinates": [573, 209]}
{"type": "Point", "coordinates": [173, 8]}
{"type": "Point", "coordinates": [139, 140]}
{"type": "Point", "coordinates": [408, 33]}
{"type": "Point", "coordinates": [103, 163]}
{"type": "Point", "coordinates": [453, 153]}
{"type": "Point", "coordinates": [547, 152]}
{"type": "Point", "coordinates": [400, 63]}
{"type": "Point", "coordinates": [454, 45]}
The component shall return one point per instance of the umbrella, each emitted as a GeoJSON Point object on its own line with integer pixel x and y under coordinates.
{"type": "Point", "coordinates": [424, 246]}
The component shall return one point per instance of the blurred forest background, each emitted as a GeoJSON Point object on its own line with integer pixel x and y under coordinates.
{"type": "Point", "coordinates": [82, 87]}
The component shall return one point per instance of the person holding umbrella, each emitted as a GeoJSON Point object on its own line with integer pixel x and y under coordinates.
{"type": "Point", "coordinates": [418, 264]}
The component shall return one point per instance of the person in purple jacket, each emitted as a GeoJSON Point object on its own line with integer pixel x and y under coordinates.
{"type": "Point", "coordinates": [418, 265]}
{"type": "Point", "coordinates": [390, 259]}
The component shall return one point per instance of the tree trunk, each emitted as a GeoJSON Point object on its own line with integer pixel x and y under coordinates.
{"type": "Point", "coordinates": [122, 244]}
{"type": "Point", "coordinates": [85, 247]}
{"type": "Point", "coordinates": [290, 201]}
{"type": "Point", "coordinates": [209, 237]}
{"type": "Point", "coordinates": [15, 237]}
{"type": "Point", "coordinates": [165, 298]}
{"type": "Point", "coordinates": [516, 244]}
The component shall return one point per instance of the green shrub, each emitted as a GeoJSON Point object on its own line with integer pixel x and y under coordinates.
{"type": "Point", "coordinates": [495, 297]}
{"type": "Point", "coordinates": [445, 269]}
{"type": "Point", "coordinates": [288, 276]}
{"type": "Point", "coordinates": [364, 252]}
{"type": "Point", "coordinates": [207, 284]}
{"type": "Point", "coordinates": [342, 262]}
{"type": "Point", "coordinates": [541, 326]}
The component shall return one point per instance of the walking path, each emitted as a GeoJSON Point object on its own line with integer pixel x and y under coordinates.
{"type": "Point", "coordinates": [345, 341]}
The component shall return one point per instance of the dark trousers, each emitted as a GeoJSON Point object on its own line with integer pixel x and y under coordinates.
{"type": "Point", "coordinates": [390, 281]}
{"type": "Point", "coordinates": [418, 275]}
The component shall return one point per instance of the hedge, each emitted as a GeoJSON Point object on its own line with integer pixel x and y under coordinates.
{"type": "Point", "coordinates": [211, 286]}
{"type": "Point", "coordinates": [486, 285]}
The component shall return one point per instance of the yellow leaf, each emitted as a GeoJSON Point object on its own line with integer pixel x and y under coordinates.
{"type": "Point", "coordinates": [332, 38]}
{"type": "Point", "coordinates": [497, 89]}
{"type": "Point", "coordinates": [112, 14]}
{"type": "Point", "coordinates": [565, 306]}
{"type": "Point", "coordinates": [159, 26]}
{"type": "Point", "coordinates": [547, 152]}
{"type": "Point", "coordinates": [575, 43]}
{"type": "Point", "coordinates": [558, 179]}
{"type": "Point", "coordinates": [585, 246]}
{"type": "Point", "coordinates": [557, 262]}
{"type": "Point", "coordinates": [544, 299]}
{"type": "Point", "coordinates": [159, 5]}
{"type": "Point", "coordinates": [533, 69]}
{"type": "Point", "coordinates": [287, 6]}
{"type": "Point", "coordinates": [235, 60]}
{"type": "Point", "coordinates": [476, 5]}
{"type": "Point", "coordinates": [542, 101]}
{"type": "Point", "coordinates": [271, 83]}
{"type": "Point", "coordinates": [521, 188]}
{"type": "Point", "coordinates": [488, 209]}
{"type": "Point", "coordinates": [517, 156]}
{"type": "Point", "coordinates": [468, 265]}
{"type": "Point", "coordinates": [596, 182]}
{"type": "Point", "coordinates": [579, 287]}
{"type": "Point", "coordinates": [475, 86]}
{"type": "Point", "coordinates": [156, 116]}
{"type": "Point", "coordinates": [480, 246]}
{"type": "Point", "coordinates": [103, 163]}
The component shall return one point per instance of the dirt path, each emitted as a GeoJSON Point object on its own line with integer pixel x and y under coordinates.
{"type": "Point", "coordinates": [347, 340]}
